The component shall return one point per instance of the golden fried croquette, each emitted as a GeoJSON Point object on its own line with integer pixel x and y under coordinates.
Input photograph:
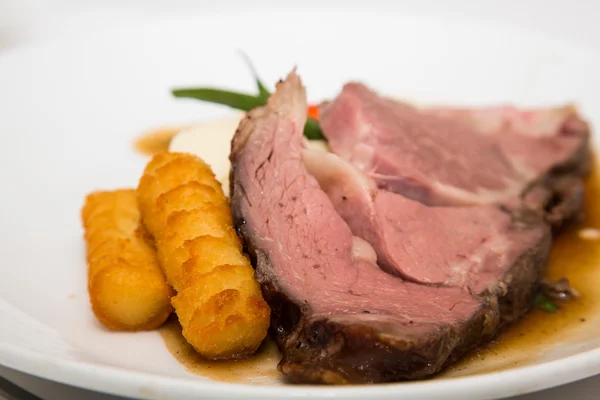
{"type": "Point", "coordinates": [127, 288]}
{"type": "Point", "coordinates": [218, 301]}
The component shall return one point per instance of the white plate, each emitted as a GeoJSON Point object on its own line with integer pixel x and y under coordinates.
{"type": "Point", "coordinates": [70, 110]}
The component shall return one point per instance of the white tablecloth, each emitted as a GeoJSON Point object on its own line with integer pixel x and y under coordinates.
{"type": "Point", "coordinates": [23, 21]}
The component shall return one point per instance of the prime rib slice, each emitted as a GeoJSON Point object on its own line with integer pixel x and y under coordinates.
{"type": "Point", "coordinates": [551, 142]}
{"type": "Point", "coordinates": [463, 156]}
{"type": "Point", "coordinates": [480, 248]}
{"type": "Point", "coordinates": [540, 140]}
{"type": "Point", "coordinates": [336, 316]}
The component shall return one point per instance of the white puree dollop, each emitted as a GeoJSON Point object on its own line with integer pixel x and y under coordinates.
{"type": "Point", "coordinates": [211, 141]}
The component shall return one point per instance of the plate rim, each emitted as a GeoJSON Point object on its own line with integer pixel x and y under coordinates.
{"type": "Point", "coordinates": [125, 382]}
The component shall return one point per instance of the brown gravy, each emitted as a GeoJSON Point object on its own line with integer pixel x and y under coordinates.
{"type": "Point", "coordinates": [522, 343]}
{"type": "Point", "coordinates": [259, 369]}
{"type": "Point", "coordinates": [156, 141]}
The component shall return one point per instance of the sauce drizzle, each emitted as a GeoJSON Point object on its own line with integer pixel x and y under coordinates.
{"type": "Point", "coordinates": [156, 141]}
{"type": "Point", "coordinates": [259, 369]}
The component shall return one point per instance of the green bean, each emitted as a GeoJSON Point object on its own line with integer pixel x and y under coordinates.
{"type": "Point", "coordinates": [240, 101]}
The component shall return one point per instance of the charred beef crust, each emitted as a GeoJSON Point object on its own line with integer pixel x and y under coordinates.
{"type": "Point", "coordinates": [558, 199]}
{"type": "Point", "coordinates": [521, 281]}
{"type": "Point", "coordinates": [580, 162]}
{"type": "Point", "coordinates": [324, 351]}
{"type": "Point", "coordinates": [565, 208]}
{"type": "Point", "coordinates": [285, 313]}
{"type": "Point", "coordinates": [559, 194]}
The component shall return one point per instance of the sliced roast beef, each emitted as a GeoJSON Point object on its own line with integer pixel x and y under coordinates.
{"type": "Point", "coordinates": [336, 316]}
{"type": "Point", "coordinates": [426, 158]}
{"type": "Point", "coordinates": [551, 142]}
{"type": "Point", "coordinates": [538, 140]}
{"type": "Point", "coordinates": [479, 248]}
{"type": "Point", "coordinates": [462, 157]}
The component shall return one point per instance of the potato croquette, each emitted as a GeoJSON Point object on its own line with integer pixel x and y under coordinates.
{"type": "Point", "coordinates": [127, 288]}
{"type": "Point", "coordinates": [218, 302]}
